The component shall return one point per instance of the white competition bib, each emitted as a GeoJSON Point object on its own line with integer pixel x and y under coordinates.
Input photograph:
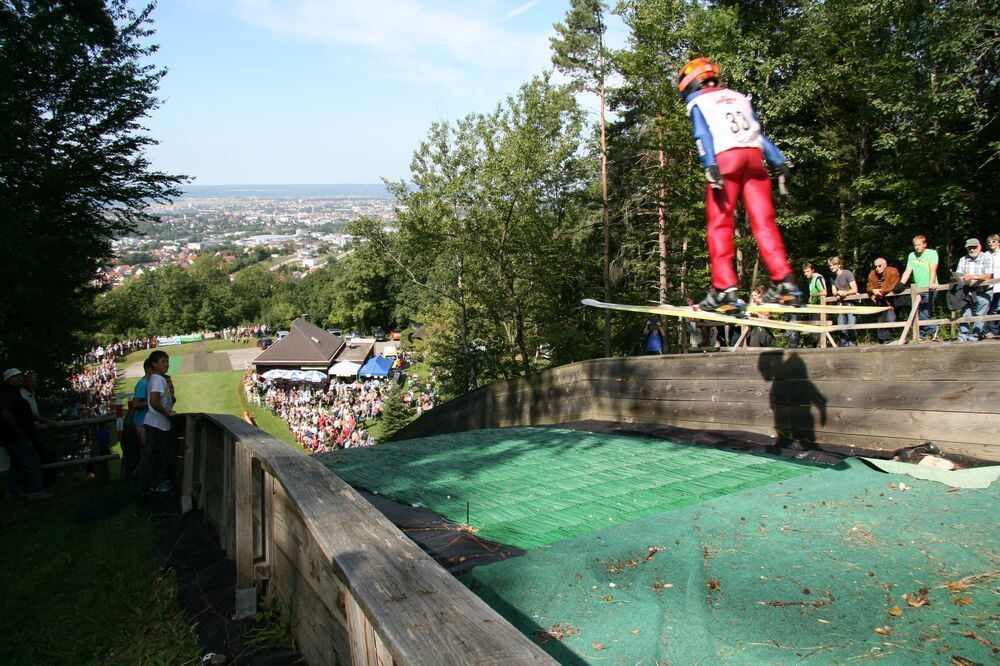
{"type": "Point", "coordinates": [730, 119]}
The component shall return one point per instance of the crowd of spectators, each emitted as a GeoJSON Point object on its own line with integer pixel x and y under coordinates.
{"type": "Point", "coordinates": [417, 399]}
{"type": "Point", "coordinates": [969, 294]}
{"type": "Point", "coordinates": [243, 333]}
{"type": "Point", "coordinates": [94, 385]}
{"type": "Point", "coordinates": [116, 349]}
{"type": "Point", "coordinates": [330, 416]}
{"type": "Point", "coordinates": [322, 418]}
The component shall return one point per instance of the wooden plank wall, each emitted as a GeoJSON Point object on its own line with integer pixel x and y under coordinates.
{"type": "Point", "coordinates": [358, 591]}
{"type": "Point", "coordinates": [879, 398]}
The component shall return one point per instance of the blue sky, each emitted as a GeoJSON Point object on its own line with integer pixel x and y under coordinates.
{"type": "Point", "coordinates": [331, 91]}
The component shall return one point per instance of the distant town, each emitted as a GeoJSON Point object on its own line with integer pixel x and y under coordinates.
{"type": "Point", "coordinates": [301, 227]}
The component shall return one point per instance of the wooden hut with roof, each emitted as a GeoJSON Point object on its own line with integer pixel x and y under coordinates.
{"type": "Point", "coordinates": [306, 347]}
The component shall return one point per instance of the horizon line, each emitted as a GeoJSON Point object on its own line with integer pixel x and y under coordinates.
{"type": "Point", "coordinates": [279, 184]}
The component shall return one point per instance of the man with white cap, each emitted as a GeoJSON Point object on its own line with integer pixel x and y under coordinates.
{"type": "Point", "coordinates": [975, 265]}
{"type": "Point", "coordinates": [25, 476]}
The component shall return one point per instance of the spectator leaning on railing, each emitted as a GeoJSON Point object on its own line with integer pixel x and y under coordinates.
{"type": "Point", "coordinates": [817, 295]}
{"type": "Point", "coordinates": [881, 281]}
{"type": "Point", "coordinates": [16, 425]}
{"type": "Point", "coordinates": [974, 266]}
{"type": "Point", "coordinates": [993, 240]}
{"type": "Point", "coordinates": [922, 264]}
{"type": "Point", "coordinates": [844, 285]}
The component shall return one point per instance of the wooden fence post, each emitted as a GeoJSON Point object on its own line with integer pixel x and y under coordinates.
{"type": "Point", "coordinates": [187, 480]}
{"type": "Point", "coordinates": [226, 510]}
{"type": "Point", "coordinates": [242, 529]}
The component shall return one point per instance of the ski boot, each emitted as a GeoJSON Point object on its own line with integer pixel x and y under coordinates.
{"type": "Point", "coordinates": [724, 301]}
{"type": "Point", "coordinates": [786, 292]}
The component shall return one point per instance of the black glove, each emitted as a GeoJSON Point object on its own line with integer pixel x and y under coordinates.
{"type": "Point", "coordinates": [782, 171]}
{"type": "Point", "coordinates": [714, 177]}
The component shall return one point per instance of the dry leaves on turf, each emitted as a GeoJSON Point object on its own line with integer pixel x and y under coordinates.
{"type": "Point", "coordinates": [917, 600]}
{"type": "Point", "coordinates": [556, 632]}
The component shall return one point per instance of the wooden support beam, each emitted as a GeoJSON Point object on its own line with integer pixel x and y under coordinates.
{"type": "Point", "coordinates": [187, 476]}
{"type": "Point", "coordinates": [246, 590]}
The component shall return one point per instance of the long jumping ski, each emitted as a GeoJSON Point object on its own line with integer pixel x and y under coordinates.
{"type": "Point", "coordinates": [691, 313]}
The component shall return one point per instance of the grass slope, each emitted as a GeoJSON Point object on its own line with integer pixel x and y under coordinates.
{"type": "Point", "coordinates": [87, 593]}
{"type": "Point", "coordinates": [220, 393]}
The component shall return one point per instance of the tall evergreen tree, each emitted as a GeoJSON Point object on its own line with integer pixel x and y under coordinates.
{"type": "Point", "coordinates": [579, 50]}
{"type": "Point", "coordinates": [76, 84]}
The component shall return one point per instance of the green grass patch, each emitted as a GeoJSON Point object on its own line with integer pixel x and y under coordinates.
{"type": "Point", "coordinates": [93, 593]}
{"type": "Point", "coordinates": [184, 350]}
{"type": "Point", "coordinates": [219, 393]}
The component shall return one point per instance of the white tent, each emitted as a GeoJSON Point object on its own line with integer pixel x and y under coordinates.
{"type": "Point", "coordinates": [389, 351]}
{"type": "Point", "coordinates": [344, 369]}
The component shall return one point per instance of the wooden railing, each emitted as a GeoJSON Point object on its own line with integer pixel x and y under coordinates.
{"type": "Point", "coordinates": [357, 590]}
{"type": "Point", "coordinates": [74, 454]}
{"type": "Point", "coordinates": [910, 327]}
{"type": "Point", "coordinates": [874, 398]}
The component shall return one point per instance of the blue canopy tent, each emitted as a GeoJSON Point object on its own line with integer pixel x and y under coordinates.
{"type": "Point", "coordinates": [378, 366]}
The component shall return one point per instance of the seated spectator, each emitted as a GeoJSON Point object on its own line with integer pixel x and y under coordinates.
{"type": "Point", "coordinates": [881, 281]}
{"type": "Point", "coordinates": [975, 266]}
{"type": "Point", "coordinates": [16, 423]}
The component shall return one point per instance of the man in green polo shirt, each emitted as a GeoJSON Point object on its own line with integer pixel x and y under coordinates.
{"type": "Point", "coordinates": [922, 265]}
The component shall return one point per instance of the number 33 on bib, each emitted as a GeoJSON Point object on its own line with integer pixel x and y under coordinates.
{"type": "Point", "coordinates": [730, 119]}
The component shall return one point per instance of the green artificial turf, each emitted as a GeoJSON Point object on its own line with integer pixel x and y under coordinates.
{"type": "Point", "coordinates": [534, 486]}
{"type": "Point", "coordinates": [847, 565]}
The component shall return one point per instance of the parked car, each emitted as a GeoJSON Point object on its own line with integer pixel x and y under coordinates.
{"type": "Point", "coordinates": [379, 335]}
{"type": "Point", "coordinates": [281, 334]}
{"type": "Point", "coordinates": [335, 331]}
{"type": "Point", "coordinates": [396, 335]}
{"type": "Point", "coordinates": [264, 343]}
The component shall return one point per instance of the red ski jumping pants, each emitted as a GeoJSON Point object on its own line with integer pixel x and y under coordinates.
{"type": "Point", "coordinates": [744, 175]}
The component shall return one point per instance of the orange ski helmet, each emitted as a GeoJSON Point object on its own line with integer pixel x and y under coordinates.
{"type": "Point", "coordinates": [696, 74]}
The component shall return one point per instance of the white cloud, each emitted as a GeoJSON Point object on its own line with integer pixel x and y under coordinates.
{"type": "Point", "coordinates": [517, 11]}
{"type": "Point", "coordinates": [414, 40]}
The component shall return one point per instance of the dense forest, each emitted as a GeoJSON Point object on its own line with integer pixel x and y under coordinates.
{"type": "Point", "coordinates": [585, 182]}
{"type": "Point", "coordinates": [886, 109]}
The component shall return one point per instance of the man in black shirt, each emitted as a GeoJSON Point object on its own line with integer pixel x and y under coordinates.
{"type": "Point", "coordinates": [16, 422]}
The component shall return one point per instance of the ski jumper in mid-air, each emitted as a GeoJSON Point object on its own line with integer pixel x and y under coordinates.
{"type": "Point", "coordinates": [732, 149]}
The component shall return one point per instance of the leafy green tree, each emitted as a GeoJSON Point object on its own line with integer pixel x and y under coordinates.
{"type": "Point", "coordinates": [251, 289]}
{"type": "Point", "coordinates": [579, 50]}
{"type": "Point", "coordinates": [76, 80]}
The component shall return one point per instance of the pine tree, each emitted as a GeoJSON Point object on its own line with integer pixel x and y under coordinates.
{"type": "Point", "coordinates": [76, 84]}
{"type": "Point", "coordinates": [396, 414]}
